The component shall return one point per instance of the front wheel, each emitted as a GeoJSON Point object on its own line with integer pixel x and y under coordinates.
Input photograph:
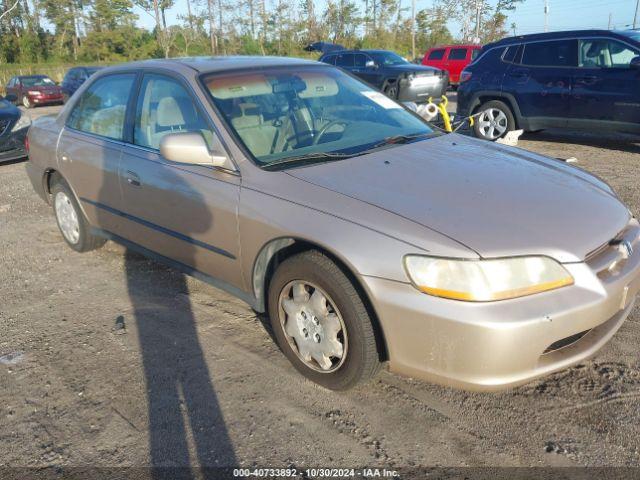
{"type": "Point", "coordinates": [26, 102]}
{"type": "Point", "coordinates": [321, 323]}
{"type": "Point", "coordinates": [494, 121]}
{"type": "Point", "coordinates": [391, 91]}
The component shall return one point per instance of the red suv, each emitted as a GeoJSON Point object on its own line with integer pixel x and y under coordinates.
{"type": "Point", "coordinates": [452, 58]}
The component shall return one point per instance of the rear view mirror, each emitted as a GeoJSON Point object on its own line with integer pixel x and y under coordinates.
{"type": "Point", "coordinates": [11, 97]}
{"type": "Point", "coordinates": [192, 149]}
{"type": "Point", "coordinates": [635, 63]}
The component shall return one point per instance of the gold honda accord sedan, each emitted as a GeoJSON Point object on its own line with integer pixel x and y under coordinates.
{"type": "Point", "coordinates": [367, 235]}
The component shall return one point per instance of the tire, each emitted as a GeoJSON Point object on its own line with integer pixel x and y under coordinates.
{"type": "Point", "coordinates": [391, 91]}
{"type": "Point", "coordinates": [26, 102]}
{"type": "Point", "coordinates": [359, 360]}
{"type": "Point", "coordinates": [495, 122]}
{"type": "Point", "coordinates": [73, 225]}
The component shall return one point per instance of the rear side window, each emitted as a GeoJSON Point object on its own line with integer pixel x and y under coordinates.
{"type": "Point", "coordinates": [102, 108]}
{"type": "Point", "coordinates": [474, 53]}
{"type": "Point", "coordinates": [330, 59]}
{"type": "Point", "coordinates": [458, 54]}
{"type": "Point", "coordinates": [559, 53]}
{"type": "Point", "coordinates": [436, 54]}
{"type": "Point", "coordinates": [344, 60]}
{"type": "Point", "coordinates": [510, 54]}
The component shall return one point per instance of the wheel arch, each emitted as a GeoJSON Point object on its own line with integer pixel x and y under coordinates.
{"type": "Point", "coordinates": [486, 96]}
{"type": "Point", "coordinates": [278, 250]}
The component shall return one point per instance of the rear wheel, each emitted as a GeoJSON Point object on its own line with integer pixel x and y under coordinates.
{"type": "Point", "coordinates": [391, 91]}
{"type": "Point", "coordinates": [321, 323]}
{"type": "Point", "coordinates": [71, 221]}
{"type": "Point", "coordinates": [495, 120]}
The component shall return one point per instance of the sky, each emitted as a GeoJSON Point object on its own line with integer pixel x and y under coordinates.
{"type": "Point", "coordinates": [528, 16]}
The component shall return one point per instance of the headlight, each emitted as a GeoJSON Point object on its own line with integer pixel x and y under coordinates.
{"type": "Point", "coordinates": [34, 92]}
{"type": "Point", "coordinates": [485, 280]}
{"type": "Point", "coordinates": [23, 122]}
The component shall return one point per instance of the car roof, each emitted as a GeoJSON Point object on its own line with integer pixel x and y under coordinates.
{"type": "Point", "coordinates": [37, 75]}
{"type": "Point", "coordinates": [358, 50]}
{"type": "Point", "coordinates": [554, 36]}
{"type": "Point", "coordinates": [217, 64]}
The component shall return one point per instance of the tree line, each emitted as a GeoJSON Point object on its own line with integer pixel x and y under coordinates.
{"type": "Point", "coordinates": [35, 31]}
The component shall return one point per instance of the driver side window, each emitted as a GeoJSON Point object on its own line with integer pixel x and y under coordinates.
{"type": "Point", "coordinates": [605, 53]}
{"type": "Point", "coordinates": [164, 107]}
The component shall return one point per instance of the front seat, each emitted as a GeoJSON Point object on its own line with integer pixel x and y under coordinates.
{"type": "Point", "coordinates": [168, 119]}
{"type": "Point", "coordinates": [259, 137]}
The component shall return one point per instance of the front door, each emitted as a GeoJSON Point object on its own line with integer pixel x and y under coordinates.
{"type": "Point", "coordinates": [187, 213]}
{"type": "Point", "coordinates": [606, 88]}
{"type": "Point", "coordinates": [90, 145]}
{"type": "Point", "coordinates": [365, 67]}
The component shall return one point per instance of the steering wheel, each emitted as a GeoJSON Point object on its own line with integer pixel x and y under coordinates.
{"type": "Point", "coordinates": [324, 129]}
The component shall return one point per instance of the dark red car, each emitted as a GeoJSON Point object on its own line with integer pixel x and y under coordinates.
{"type": "Point", "coordinates": [32, 90]}
{"type": "Point", "coordinates": [452, 58]}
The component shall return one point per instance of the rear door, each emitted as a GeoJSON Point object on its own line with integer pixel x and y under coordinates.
{"type": "Point", "coordinates": [187, 213]}
{"type": "Point", "coordinates": [90, 145]}
{"type": "Point", "coordinates": [605, 86]}
{"type": "Point", "coordinates": [457, 59]}
{"type": "Point", "coordinates": [541, 81]}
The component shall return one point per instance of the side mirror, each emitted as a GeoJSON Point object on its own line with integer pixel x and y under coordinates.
{"type": "Point", "coordinates": [370, 64]}
{"type": "Point", "coordinates": [191, 148]}
{"type": "Point", "coordinates": [11, 97]}
{"type": "Point", "coordinates": [635, 63]}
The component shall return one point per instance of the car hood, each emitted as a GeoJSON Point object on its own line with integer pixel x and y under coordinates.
{"type": "Point", "coordinates": [496, 200]}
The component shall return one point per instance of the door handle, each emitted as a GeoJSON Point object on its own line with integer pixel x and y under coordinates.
{"type": "Point", "coordinates": [133, 178]}
{"type": "Point", "coordinates": [519, 73]}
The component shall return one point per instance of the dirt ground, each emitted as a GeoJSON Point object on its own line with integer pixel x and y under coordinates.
{"type": "Point", "coordinates": [109, 359]}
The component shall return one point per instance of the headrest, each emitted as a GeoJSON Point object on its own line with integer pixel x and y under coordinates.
{"type": "Point", "coordinates": [169, 113]}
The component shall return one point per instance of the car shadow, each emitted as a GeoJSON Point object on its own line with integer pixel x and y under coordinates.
{"type": "Point", "coordinates": [612, 141]}
{"type": "Point", "coordinates": [187, 434]}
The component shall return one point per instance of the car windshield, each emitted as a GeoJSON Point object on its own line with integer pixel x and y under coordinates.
{"type": "Point", "coordinates": [632, 34]}
{"type": "Point", "coordinates": [309, 111]}
{"type": "Point", "coordinates": [37, 81]}
{"type": "Point", "coordinates": [389, 58]}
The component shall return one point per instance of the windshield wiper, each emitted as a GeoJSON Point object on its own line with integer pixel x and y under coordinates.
{"type": "Point", "coordinates": [400, 139]}
{"type": "Point", "coordinates": [308, 158]}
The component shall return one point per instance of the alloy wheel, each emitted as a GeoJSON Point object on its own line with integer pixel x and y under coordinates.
{"type": "Point", "coordinates": [492, 123]}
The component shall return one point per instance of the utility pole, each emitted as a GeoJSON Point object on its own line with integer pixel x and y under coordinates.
{"type": "Point", "coordinates": [635, 16]}
{"type": "Point", "coordinates": [546, 15]}
{"type": "Point", "coordinates": [609, 25]}
{"type": "Point", "coordinates": [413, 29]}
{"type": "Point", "coordinates": [478, 8]}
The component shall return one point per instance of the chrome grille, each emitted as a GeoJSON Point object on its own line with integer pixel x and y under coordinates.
{"type": "Point", "coordinates": [608, 259]}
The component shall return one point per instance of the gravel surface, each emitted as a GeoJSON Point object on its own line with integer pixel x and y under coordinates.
{"type": "Point", "coordinates": [109, 359]}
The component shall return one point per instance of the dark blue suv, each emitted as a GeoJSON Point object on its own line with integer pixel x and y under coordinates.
{"type": "Point", "coordinates": [74, 78]}
{"type": "Point", "coordinates": [588, 79]}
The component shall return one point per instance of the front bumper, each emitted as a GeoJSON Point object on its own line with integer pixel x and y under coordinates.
{"type": "Point", "coordinates": [45, 99]}
{"type": "Point", "coordinates": [419, 89]}
{"type": "Point", "coordinates": [496, 345]}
